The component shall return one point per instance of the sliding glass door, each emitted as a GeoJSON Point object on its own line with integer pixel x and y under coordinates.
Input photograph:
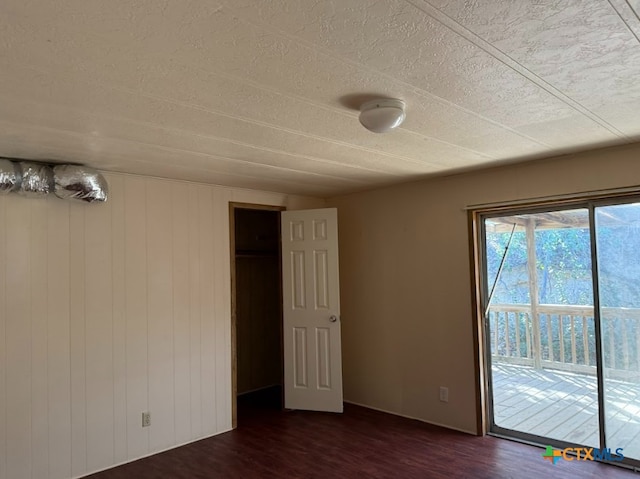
{"type": "Point", "coordinates": [562, 325]}
{"type": "Point", "coordinates": [617, 231]}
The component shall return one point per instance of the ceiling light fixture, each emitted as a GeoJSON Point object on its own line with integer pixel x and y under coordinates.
{"type": "Point", "coordinates": [382, 115]}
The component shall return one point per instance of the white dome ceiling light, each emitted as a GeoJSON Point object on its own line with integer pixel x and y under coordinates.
{"type": "Point", "coordinates": [382, 115]}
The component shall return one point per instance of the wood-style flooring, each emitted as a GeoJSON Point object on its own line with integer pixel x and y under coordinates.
{"type": "Point", "coordinates": [361, 443]}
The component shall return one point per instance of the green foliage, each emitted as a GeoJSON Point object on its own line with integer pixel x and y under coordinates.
{"type": "Point", "coordinates": [513, 285]}
{"type": "Point", "coordinates": [564, 276]}
{"type": "Point", "coordinates": [563, 265]}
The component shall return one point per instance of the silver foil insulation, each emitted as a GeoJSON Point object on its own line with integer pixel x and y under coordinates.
{"type": "Point", "coordinates": [73, 182]}
{"type": "Point", "coordinates": [36, 180]}
{"type": "Point", "coordinates": [9, 176]}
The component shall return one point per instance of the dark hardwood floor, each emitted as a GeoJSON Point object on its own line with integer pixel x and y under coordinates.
{"type": "Point", "coordinates": [361, 443]}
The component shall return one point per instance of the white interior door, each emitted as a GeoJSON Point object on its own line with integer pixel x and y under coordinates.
{"type": "Point", "coordinates": [311, 310]}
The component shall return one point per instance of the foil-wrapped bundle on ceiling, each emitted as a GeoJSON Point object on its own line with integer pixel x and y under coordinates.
{"type": "Point", "coordinates": [75, 182]}
{"type": "Point", "coordinates": [9, 176]}
{"type": "Point", "coordinates": [37, 179]}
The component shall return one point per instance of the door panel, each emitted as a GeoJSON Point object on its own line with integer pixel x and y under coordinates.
{"type": "Point", "coordinates": [541, 324]}
{"type": "Point", "coordinates": [618, 240]}
{"type": "Point", "coordinates": [561, 297]}
{"type": "Point", "coordinates": [311, 310]}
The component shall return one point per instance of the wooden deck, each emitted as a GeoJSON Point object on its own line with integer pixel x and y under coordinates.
{"type": "Point", "coordinates": [563, 406]}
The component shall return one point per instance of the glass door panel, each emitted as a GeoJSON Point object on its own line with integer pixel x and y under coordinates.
{"type": "Point", "coordinates": [540, 325]}
{"type": "Point", "coordinates": [618, 247]}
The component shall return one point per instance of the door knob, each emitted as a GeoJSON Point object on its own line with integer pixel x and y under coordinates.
{"type": "Point", "coordinates": [333, 318]}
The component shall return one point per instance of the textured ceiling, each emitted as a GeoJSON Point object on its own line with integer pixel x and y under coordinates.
{"type": "Point", "coordinates": [261, 94]}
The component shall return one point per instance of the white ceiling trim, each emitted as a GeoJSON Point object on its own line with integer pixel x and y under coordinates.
{"type": "Point", "coordinates": [417, 90]}
{"type": "Point", "coordinates": [101, 139]}
{"type": "Point", "coordinates": [278, 183]}
{"type": "Point", "coordinates": [7, 101]}
{"type": "Point", "coordinates": [517, 67]}
{"type": "Point", "coordinates": [211, 111]}
{"type": "Point", "coordinates": [341, 111]}
{"type": "Point", "coordinates": [264, 94]}
{"type": "Point", "coordinates": [629, 15]}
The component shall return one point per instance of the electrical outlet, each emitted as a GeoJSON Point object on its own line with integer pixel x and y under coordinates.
{"type": "Point", "coordinates": [146, 419]}
{"type": "Point", "coordinates": [444, 394]}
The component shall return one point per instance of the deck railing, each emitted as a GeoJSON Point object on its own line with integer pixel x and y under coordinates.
{"type": "Point", "coordinates": [563, 337]}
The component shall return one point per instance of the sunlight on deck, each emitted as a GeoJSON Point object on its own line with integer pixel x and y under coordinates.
{"type": "Point", "coordinates": [564, 406]}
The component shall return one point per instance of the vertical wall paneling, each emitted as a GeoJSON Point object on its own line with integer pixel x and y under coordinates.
{"type": "Point", "coordinates": [39, 384]}
{"type": "Point", "coordinates": [136, 314]}
{"type": "Point", "coordinates": [207, 316]}
{"type": "Point", "coordinates": [108, 311]}
{"type": "Point", "coordinates": [77, 339]}
{"type": "Point", "coordinates": [222, 309]}
{"type": "Point", "coordinates": [194, 312]}
{"type": "Point", "coordinates": [181, 333]}
{"type": "Point", "coordinates": [3, 341]}
{"type": "Point", "coordinates": [118, 281]}
{"type": "Point", "coordinates": [18, 338]}
{"type": "Point", "coordinates": [160, 312]}
{"type": "Point", "coordinates": [59, 347]}
{"type": "Point", "coordinates": [99, 336]}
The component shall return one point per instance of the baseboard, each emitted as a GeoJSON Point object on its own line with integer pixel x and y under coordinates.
{"type": "Point", "coordinates": [473, 433]}
{"type": "Point", "coordinates": [150, 454]}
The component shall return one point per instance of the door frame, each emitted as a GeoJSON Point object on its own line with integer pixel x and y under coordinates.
{"type": "Point", "coordinates": [482, 354]}
{"type": "Point", "coordinates": [475, 214]}
{"type": "Point", "coordinates": [233, 206]}
{"type": "Point", "coordinates": [483, 296]}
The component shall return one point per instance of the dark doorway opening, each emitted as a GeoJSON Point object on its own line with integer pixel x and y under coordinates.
{"type": "Point", "coordinates": [256, 277]}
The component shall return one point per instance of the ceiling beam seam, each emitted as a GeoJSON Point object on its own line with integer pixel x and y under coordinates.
{"type": "Point", "coordinates": [235, 142]}
{"type": "Point", "coordinates": [255, 122]}
{"type": "Point", "coordinates": [416, 89]}
{"type": "Point", "coordinates": [190, 169]}
{"type": "Point", "coordinates": [517, 67]}
{"type": "Point", "coordinates": [282, 129]}
{"type": "Point", "coordinates": [634, 14]}
{"type": "Point", "coordinates": [332, 109]}
{"type": "Point", "coordinates": [263, 87]}
{"type": "Point", "coordinates": [191, 152]}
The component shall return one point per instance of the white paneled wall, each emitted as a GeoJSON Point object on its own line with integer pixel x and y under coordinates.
{"type": "Point", "coordinates": [110, 310]}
